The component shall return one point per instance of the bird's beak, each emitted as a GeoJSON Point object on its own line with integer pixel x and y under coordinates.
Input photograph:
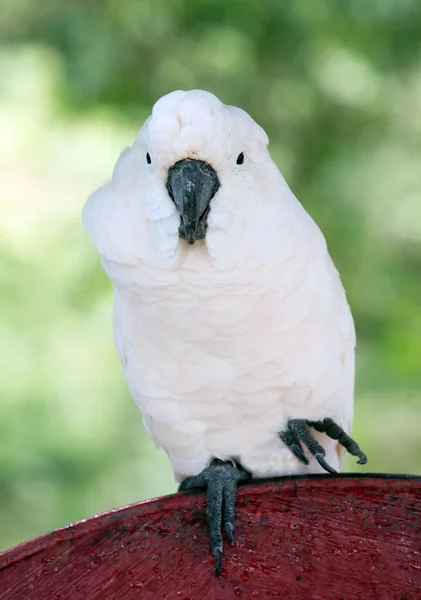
{"type": "Point", "coordinates": [192, 184]}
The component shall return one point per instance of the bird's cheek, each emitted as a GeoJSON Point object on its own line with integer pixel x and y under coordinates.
{"type": "Point", "coordinates": [227, 212]}
{"type": "Point", "coordinates": [157, 227]}
{"type": "Point", "coordinates": [222, 219]}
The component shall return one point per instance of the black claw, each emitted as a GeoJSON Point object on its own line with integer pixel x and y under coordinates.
{"type": "Point", "coordinates": [322, 462]}
{"type": "Point", "coordinates": [363, 459]}
{"type": "Point", "coordinates": [297, 451]}
{"type": "Point", "coordinates": [218, 562]}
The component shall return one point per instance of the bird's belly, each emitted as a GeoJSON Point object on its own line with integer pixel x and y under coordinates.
{"type": "Point", "coordinates": [219, 376]}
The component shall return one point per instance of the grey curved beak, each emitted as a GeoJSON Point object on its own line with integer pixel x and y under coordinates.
{"type": "Point", "coordinates": [191, 185]}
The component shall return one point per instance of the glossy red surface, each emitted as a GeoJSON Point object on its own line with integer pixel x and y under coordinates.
{"type": "Point", "coordinates": [318, 538]}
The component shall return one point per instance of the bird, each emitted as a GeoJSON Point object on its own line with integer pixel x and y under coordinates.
{"type": "Point", "coordinates": [231, 323]}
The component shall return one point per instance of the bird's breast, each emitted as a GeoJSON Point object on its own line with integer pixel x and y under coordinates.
{"type": "Point", "coordinates": [219, 360]}
{"type": "Point", "coordinates": [207, 334]}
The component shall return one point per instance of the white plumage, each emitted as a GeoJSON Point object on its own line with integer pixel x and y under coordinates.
{"type": "Point", "coordinates": [224, 341]}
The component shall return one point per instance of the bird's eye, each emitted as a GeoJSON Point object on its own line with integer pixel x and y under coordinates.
{"type": "Point", "coordinates": [240, 158]}
{"type": "Point", "coordinates": [148, 158]}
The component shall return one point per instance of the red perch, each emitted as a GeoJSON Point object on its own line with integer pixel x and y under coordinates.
{"type": "Point", "coordinates": [318, 538]}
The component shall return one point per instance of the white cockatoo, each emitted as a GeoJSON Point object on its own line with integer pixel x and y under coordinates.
{"type": "Point", "coordinates": [230, 320]}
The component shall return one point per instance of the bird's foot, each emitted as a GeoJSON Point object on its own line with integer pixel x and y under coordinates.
{"type": "Point", "coordinates": [220, 480]}
{"type": "Point", "coordinates": [298, 430]}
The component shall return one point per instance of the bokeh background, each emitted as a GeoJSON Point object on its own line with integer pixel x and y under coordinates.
{"type": "Point", "coordinates": [337, 85]}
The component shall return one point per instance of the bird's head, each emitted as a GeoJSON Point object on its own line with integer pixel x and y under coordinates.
{"type": "Point", "coordinates": [196, 146]}
{"type": "Point", "coordinates": [198, 169]}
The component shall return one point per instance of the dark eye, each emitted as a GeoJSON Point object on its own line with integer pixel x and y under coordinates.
{"type": "Point", "coordinates": [148, 158]}
{"type": "Point", "coordinates": [240, 158]}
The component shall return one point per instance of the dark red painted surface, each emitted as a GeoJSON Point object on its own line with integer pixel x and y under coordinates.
{"type": "Point", "coordinates": [317, 538]}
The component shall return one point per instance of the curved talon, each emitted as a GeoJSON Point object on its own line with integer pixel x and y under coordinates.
{"type": "Point", "coordinates": [363, 459]}
{"type": "Point", "coordinates": [218, 561]}
{"type": "Point", "coordinates": [297, 451]}
{"type": "Point", "coordinates": [322, 462]}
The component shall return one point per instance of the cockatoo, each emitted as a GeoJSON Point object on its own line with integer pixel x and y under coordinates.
{"type": "Point", "coordinates": [230, 320]}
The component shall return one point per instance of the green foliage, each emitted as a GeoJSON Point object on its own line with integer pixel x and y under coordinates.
{"type": "Point", "coordinates": [338, 88]}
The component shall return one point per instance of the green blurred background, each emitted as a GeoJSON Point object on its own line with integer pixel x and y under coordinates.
{"type": "Point", "coordinates": [337, 85]}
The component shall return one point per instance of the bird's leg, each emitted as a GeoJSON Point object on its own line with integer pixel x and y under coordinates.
{"type": "Point", "coordinates": [298, 430]}
{"type": "Point", "coordinates": [220, 480]}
